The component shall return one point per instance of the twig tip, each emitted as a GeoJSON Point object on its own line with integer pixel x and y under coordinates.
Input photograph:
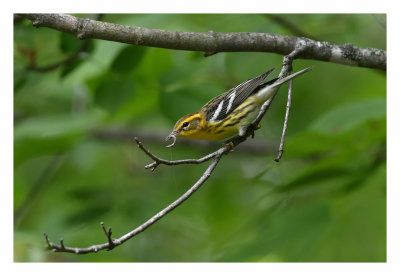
{"type": "Point", "coordinates": [62, 243]}
{"type": "Point", "coordinates": [139, 144]}
{"type": "Point", "coordinates": [47, 239]}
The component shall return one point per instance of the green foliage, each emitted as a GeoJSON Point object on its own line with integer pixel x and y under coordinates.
{"type": "Point", "coordinates": [128, 59]}
{"type": "Point", "coordinates": [347, 116]}
{"type": "Point", "coordinates": [69, 43]}
{"type": "Point", "coordinates": [325, 201]}
{"type": "Point", "coordinates": [112, 92]}
{"type": "Point", "coordinates": [52, 134]}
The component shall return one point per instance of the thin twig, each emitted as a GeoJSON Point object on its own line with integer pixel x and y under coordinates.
{"type": "Point", "coordinates": [115, 242]}
{"type": "Point", "coordinates": [288, 104]}
{"type": "Point", "coordinates": [108, 234]}
{"type": "Point", "coordinates": [381, 22]}
{"type": "Point", "coordinates": [158, 161]}
{"type": "Point", "coordinates": [212, 42]}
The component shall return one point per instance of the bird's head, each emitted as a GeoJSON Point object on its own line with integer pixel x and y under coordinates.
{"type": "Point", "coordinates": [188, 126]}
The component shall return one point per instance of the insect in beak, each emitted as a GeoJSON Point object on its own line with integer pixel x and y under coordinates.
{"type": "Point", "coordinates": [169, 137]}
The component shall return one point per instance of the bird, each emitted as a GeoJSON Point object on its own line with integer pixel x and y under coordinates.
{"type": "Point", "coordinates": [230, 113]}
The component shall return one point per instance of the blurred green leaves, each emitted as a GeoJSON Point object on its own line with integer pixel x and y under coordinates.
{"type": "Point", "coordinates": [52, 134]}
{"type": "Point", "coordinates": [112, 93]}
{"type": "Point", "coordinates": [69, 43]}
{"type": "Point", "coordinates": [74, 47]}
{"type": "Point", "coordinates": [189, 98]}
{"type": "Point", "coordinates": [128, 59]}
{"type": "Point", "coordinates": [349, 115]}
{"type": "Point", "coordinates": [324, 201]}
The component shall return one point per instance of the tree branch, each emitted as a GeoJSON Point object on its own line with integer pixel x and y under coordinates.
{"type": "Point", "coordinates": [212, 42]}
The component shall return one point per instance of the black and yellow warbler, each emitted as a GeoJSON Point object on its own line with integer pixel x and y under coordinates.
{"type": "Point", "coordinates": [231, 112]}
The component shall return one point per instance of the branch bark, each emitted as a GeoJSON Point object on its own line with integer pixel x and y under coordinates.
{"type": "Point", "coordinates": [212, 42]}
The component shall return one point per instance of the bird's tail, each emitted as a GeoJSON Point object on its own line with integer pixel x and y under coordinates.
{"type": "Point", "coordinates": [288, 78]}
{"type": "Point", "coordinates": [266, 90]}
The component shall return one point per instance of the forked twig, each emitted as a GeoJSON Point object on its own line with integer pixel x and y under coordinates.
{"type": "Point", "coordinates": [115, 242]}
{"type": "Point", "coordinates": [108, 234]}
{"type": "Point", "coordinates": [158, 161]}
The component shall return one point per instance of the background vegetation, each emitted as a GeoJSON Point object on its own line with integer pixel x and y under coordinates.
{"type": "Point", "coordinates": [325, 201]}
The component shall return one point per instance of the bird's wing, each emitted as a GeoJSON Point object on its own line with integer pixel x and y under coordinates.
{"type": "Point", "coordinates": [224, 104]}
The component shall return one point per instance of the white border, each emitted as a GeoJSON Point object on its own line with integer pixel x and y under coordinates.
{"type": "Point", "coordinates": [203, 6]}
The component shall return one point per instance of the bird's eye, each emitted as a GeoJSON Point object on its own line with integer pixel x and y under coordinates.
{"type": "Point", "coordinates": [185, 124]}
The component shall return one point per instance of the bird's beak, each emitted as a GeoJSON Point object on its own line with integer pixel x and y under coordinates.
{"type": "Point", "coordinates": [172, 135]}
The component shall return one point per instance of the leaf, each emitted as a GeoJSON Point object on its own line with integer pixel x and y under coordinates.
{"type": "Point", "coordinates": [89, 213]}
{"type": "Point", "coordinates": [128, 58]}
{"type": "Point", "coordinates": [287, 232]}
{"type": "Point", "coordinates": [19, 81]}
{"type": "Point", "coordinates": [54, 125]}
{"type": "Point", "coordinates": [50, 134]}
{"type": "Point", "coordinates": [69, 43]}
{"type": "Point", "coordinates": [308, 143]}
{"type": "Point", "coordinates": [350, 115]}
{"type": "Point", "coordinates": [113, 93]}
{"type": "Point", "coordinates": [68, 68]}
{"type": "Point", "coordinates": [75, 63]}
{"type": "Point", "coordinates": [359, 216]}
{"type": "Point", "coordinates": [144, 101]}
{"type": "Point", "coordinates": [169, 102]}
{"type": "Point", "coordinates": [189, 98]}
